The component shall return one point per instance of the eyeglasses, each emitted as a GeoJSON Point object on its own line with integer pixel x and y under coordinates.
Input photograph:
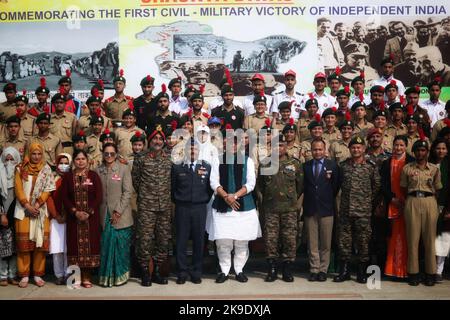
{"type": "Point", "coordinates": [109, 154]}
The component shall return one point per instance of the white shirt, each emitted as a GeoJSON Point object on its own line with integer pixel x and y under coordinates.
{"type": "Point", "coordinates": [251, 176]}
{"type": "Point", "coordinates": [436, 111]}
{"type": "Point", "coordinates": [384, 82]}
{"type": "Point", "coordinates": [283, 96]}
{"type": "Point", "coordinates": [325, 101]}
{"type": "Point", "coordinates": [354, 99]}
{"type": "Point", "coordinates": [179, 105]}
{"type": "Point", "coordinates": [249, 108]}
{"type": "Point", "coordinates": [218, 101]}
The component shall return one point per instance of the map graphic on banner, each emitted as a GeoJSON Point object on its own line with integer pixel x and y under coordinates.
{"type": "Point", "coordinates": [196, 39]}
{"type": "Point", "coordinates": [198, 57]}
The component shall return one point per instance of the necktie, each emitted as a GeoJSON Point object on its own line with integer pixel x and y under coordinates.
{"type": "Point", "coordinates": [316, 169]}
{"type": "Point", "coordinates": [191, 166]}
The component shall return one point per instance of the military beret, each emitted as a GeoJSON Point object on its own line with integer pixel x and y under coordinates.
{"type": "Point", "coordinates": [58, 96]}
{"type": "Point", "coordinates": [395, 105]}
{"type": "Point", "coordinates": [43, 87]}
{"type": "Point", "coordinates": [317, 122]}
{"type": "Point", "coordinates": [420, 144]}
{"type": "Point", "coordinates": [391, 84]}
{"type": "Point", "coordinates": [360, 78]}
{"type": "Point", "coordinates": [343, 92]}
{"type": "Point", "coordinates": [97, 118]}
{"type": "Point", "coordinates": [284, 105]}
{"type": "Point", "coordinates": [347, 121]}
{"type": "Point", "coordinates": [388, 59]}
{"type": "Point", "coordinates": [267, 126]}
{"type": "Point", "coordinates": [22, 98]}
{"type": "Point", "coordinates": [9, 86]}
{"type": "Point", "coordinates": [377, 88]}
{"type": "Point", "coordinates": [310, 102]}
{"type": "Point", "coordinates": [66, 78]}
{"type": "Point", "coordinates": [445, 131]}
{"type": "Point", "coordinates": [436, 82]}
{"type": "Point", "coordinates": [13, 119]}
{"type": "Point", "coordinates": [336, 75]}
{"type": "Point", "coordinates": [197, 95]}
{"type": "Point", "coordinates": [259, 98]}
{"type": "Point", "coordinates": [169, 130]}
{"type": "Point", "coordinates": [147, 81]}
{"type": "Point", "coordinates": [174, 81]}
{"type": "Point", "coordinates": [99, 86]}
{"type": "Point", "coordinates": [415, 117]}
{"type": "Point", "coordinates": [163, 93]}
{"type": "Point", "coordinates": [415, 89]}
{"type": "Point", "coordinates": [373, 131]}
{"type": "Point", "coordinates": [329, 112]}
{"type": "Point", "coordinates": [119, 77]}
{"type": "Point", "coordinates": [358, 104]}
{"type": "Point", "coordinates": [290, 126]}
{"type": "Point", "coordinates": [138, 136]}
{"type": "Point", "coordinates": [79, 137]}
{"type": "Point", "coordinates": [107, 134]}
{"type": "Point", "coordinates": [226, 89]}
{"type": "Point", "coordinates": [93, 99]}
{"type": "Point", "coordinates": [356, 140]}
{"type": "Point", "coordinates": [43, 117]}
{"type": "Point", "coordinates": [189, 89]}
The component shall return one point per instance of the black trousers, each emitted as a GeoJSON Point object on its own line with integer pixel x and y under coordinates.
{"type": "Point", "coordinates": [190, 222]}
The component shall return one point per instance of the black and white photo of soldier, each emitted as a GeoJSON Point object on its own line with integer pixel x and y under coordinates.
{"type": "Point", "coordinates": [420, 48]}
{"type": "Point", "coordinates": [25, 55]}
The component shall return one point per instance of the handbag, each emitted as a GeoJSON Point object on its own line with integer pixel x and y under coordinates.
{"type": "Point", "coordinates": [6, 242]}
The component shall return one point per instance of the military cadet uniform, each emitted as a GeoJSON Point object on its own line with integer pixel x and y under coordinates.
{"type": "Point", "coordinates": [51, 144]}
{"type": "Point", "coordinates": [114, 107]}
{"type": "Point", "coordinates": [331, 135]}
{"type": "Point", "coordinates": [165, 121]}
{"type": "Point", "coordinates": [280, 193]}
{"type": "Point", "coordinates": [63, 126]}
{"type": "Point", "coordinates": [438, 126]}
{"type": "Point", "coordinates": [421, 214]}
{"type": "Point", "coordinates": [19, 143]}
{"type": "Point", "coordinates": [302, 129]}
{"type": "Point", "coordinates": [151, 175]}
{"type": "Point", "coordinates": [27, 121]}
{"type": "Point", "coordinates": [94, 147]}
{"type": "Point", "coordinates": [339, 151]}
{"type": "Point", "coordinates": [411, 140]}
{"type": "Point", "coordinates": [294, 151]}
{"type": "Point", "coordinates": [280, 124]}
{"type": "Point", "coordinates": [7, 109]}
{"type": "Point", "coordinates": [373, 109]}
{"type": "Point", "coordinates": [255, 122]}
{"type": "Point", "coordinates": [123, 136]}
{"type": "Point", "coordinates": [235, 117]}
{"type": "Point", "coordinates": [361, 130]}
{"type": "Point", "coordinates": [84, 123]}
{"type": "Point", "coordinates": [360, 185]}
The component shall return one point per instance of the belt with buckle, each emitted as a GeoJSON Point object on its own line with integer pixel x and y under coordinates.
{"type": "Point", "coordinates": [420, 194]}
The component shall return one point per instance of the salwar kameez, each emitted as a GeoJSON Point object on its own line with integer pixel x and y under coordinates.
{"type": "Point", "coordinates": [115, 255]}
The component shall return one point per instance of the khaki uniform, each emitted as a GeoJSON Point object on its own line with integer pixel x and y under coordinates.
{"type": "Point", "coordinates": [124, 146]}
{"type": "Point", "coordinates": [114, 107]}
{"type": "Point", "coordinates": [7, 110]}
{"type": "Point", "coordinates": [302, 129]}
{"type": "Point", "coordinates": [84, 123]}
{"type": "Point", "coordinates": [94, 147]}
{"type": "Point", "coordinates": [20, 143]}
{"type": "Point", "coordinates": [361, 130]}
{"type": "Point", "coordinates": [198, 120]}
{"type": "Point", "coordinates": [339, 151]}
{"type": "Point", "coordinates": [333, 135]}
{"type": "Point", "coordinates": [63, 126]}
{"type": "Point", "coordinates": [294, 151]}
{"type": "Point", "coordinates": [411, 140]}
{"type": "Point", "coordinates": [395, 131]}
{"type": "Point", "coordinates": [255, 122]}
{"type": "Point", "coordinates": [28, 127]}
{"type": "Point", "coordinates": [305, 152]}
{"type": "Point", "coordinates": [52, 147]}
{"type": "Point", "coordinates": [421, 213]}
{"type": "Point", "coordinates": [438, 126]}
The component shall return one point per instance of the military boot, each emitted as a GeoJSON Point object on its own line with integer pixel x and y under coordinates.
{"type": "Point", "coordinates": [287, 273]}
{"type": "Point", "coordinates": [146, 280]}
{"type": "Point", "coordinates": [361, 276]}
{"type": "Point", "coordinates": [272, 273]}
{"type": "Point", "coordinates": [157, 277]}
{"type": "Point", "coordinates": [344, 273]}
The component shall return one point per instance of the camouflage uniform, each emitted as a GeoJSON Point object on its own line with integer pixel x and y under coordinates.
{"type": "Point", "coordinates": [280, 193]}
{"type": "Point", "coordinates": [360, 185]}
{"type": "Point", "coordinates": [294, 151]}
{"type": "Point", "coordinates": [151, 176]}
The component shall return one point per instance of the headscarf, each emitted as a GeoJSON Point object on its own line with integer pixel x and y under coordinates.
{"type": "Point", "coordinates": [64, 155]}
{"type": "Point", "coordinates": [6, 174]}
{"type": "Point", "coordinates": [207, 151]}
{"type": "Point", "coordinates": [30, 168]}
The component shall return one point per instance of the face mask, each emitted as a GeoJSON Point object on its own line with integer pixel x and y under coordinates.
{"type": "Point", "coordinates": [63, 167]}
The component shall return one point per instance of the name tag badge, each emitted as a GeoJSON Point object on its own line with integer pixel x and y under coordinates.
{"type": "Point", "coordinates": [329, 172]}
{"type": "Point", "coordinates": [116, 177]}
{"type": "Point", "coordinates": [66, 121]}
{"type": "Point", "coordinates": [88, 182]}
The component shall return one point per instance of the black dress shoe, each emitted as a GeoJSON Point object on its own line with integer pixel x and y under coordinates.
{"type": "Point", "coordinates": [181, 280]}
{"type": "Point", "coordinates": [313, 277]}
{"type": "Point", "coordinates": [322, 277]}
{"type": "Point", "coordinates": [413, 280]}
{"type": "Point", "coordinates": [429, 280]}
{"type": "Point", "coordinates": [241, 277]}
{"type": "Point", "coordinates": [221, 278]}
{"type": "Point", "coordinates": [196, 280]}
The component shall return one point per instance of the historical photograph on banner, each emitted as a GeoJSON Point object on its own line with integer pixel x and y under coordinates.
{"type": "Point", "coordinates": [197, 56]}
{"type": "Point", "coordinates": [420, 48]}
{"type": "Point", "coordinates": [32, 50]}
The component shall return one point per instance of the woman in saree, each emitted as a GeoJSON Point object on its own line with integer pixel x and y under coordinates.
{"type": "Point", "coordinates": [34, 182]}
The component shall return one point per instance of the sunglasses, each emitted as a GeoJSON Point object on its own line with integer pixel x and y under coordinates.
{"type": "Point", "coordinates": [109, 154]}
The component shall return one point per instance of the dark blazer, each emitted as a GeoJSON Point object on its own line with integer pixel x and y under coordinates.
{"type": "Point", "coordinates": [385, 172]}
{"type": "Point", "coordinates": [320, 193]}
{"type": "Point", "coordinates": [189, 186]}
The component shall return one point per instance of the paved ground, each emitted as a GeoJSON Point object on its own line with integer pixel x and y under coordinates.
{"type": "Point", "coordinates": [256, 288]}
